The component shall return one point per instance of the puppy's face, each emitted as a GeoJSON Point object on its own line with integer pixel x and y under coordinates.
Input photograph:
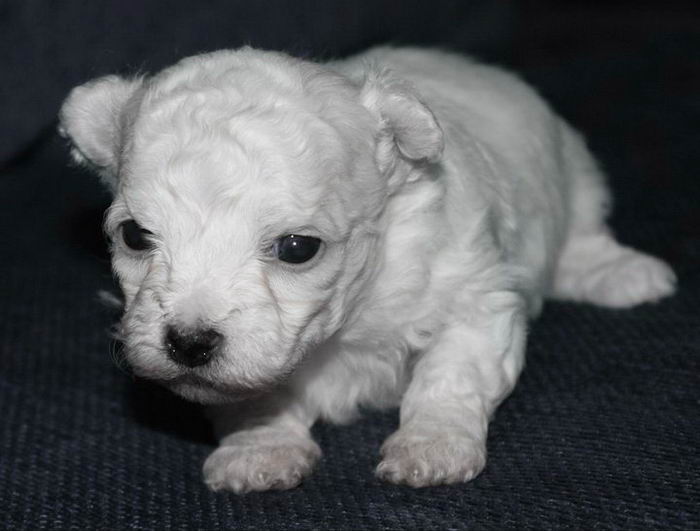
{"type": "Point", "coordinates": [240, 238]}
{"type": "Point", "coordinates": [245, 220]}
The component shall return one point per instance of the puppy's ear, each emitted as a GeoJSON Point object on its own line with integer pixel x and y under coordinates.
{"type": "Point", "coordinates": [91, 117]}
{"type": "Point", "coordinates": [407, 123]}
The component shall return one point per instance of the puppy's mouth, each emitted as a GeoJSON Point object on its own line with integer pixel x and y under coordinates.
{"type": "Point", "coordinates": [212, 382]}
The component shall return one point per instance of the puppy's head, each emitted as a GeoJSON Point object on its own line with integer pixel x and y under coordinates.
{"type": "Point", "coordinates": [247, 216]}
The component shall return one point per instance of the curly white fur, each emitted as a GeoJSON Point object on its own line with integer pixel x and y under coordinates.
{"type": "Point", "coordinates": [450, 201]}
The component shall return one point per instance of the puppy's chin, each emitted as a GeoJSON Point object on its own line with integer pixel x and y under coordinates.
{"type": "Point", "coordinates": [204, 392]}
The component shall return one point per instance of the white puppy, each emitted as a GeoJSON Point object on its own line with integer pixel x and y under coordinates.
{"type": "Point", "coordinates": [295, 240]}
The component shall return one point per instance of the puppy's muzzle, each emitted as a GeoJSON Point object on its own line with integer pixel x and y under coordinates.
{"type": "Point", "coordinates": [192, 348]}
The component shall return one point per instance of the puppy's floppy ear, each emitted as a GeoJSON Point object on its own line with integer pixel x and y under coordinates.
{"type": "Point", "coordinates": [408, 125]}
{"type": "Point", "coordinates": [91, 117]}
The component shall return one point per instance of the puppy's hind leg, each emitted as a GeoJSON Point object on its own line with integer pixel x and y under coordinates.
{"type": "Point", "coordinates": [593, 266]}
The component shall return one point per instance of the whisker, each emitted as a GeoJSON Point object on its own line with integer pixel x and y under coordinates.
{"type": "Point", "coordinates": [116, 351]}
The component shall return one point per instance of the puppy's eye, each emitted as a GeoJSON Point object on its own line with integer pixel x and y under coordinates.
{"type": "Point", "coordinates": [135, 237]}
{"type": "Point", "coordinates": [296, 249]}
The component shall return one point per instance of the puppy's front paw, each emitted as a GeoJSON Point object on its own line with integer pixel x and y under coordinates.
{"type": "Point", "coordinates": [260, 461]}
{"type": "Point", "coordinates": [424, 457]}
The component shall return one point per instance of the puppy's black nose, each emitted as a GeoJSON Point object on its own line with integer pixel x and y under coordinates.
{"type": "Point", "coordinates": [192, 348]}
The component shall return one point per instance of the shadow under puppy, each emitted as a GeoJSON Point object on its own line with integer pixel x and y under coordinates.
{"type": "Point", "coordinates": [295, 239]}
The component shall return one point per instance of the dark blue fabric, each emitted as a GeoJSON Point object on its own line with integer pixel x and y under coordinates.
{"type": "Point", "coordinates": [602, 431]}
